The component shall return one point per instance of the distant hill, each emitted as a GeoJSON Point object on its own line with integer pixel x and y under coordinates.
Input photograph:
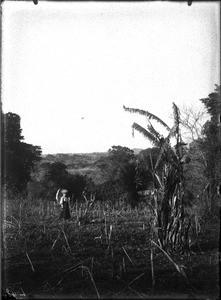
{"type": "Point", "coordinates": [79, 158]}
{"type": "Point", "coordinates": [137, 150]}
{"type": "Point", "coordinates": [90, 155]}
{"type": "Point", "coordinates": [81, 163]}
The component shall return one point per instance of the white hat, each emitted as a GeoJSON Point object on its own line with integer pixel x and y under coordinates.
{"type": "Point", "coordinates": [64, 191]}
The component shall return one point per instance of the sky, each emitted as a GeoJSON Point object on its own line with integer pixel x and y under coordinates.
{"type": "Point", "coordinates": [68, 68]}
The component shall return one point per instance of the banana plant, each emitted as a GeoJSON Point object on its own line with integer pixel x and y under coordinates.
{"type": "Point", "coordinates": [171, 224]}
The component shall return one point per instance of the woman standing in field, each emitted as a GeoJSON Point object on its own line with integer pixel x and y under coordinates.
{"type": "Point", "coordinates": [65, 204]}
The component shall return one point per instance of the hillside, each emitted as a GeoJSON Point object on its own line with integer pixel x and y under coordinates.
{"type": "Point", "coordinates": [81, 163]}
{"type": "Point", "coordinates": [76, 161]}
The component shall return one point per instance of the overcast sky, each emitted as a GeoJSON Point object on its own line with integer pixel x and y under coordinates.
{"type": "Point", "coordinates": [68, 68]}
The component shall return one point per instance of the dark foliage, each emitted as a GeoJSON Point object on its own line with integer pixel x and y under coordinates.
{"type": "Point", "coordinates": [211, 145]}
{"type": "Point", "coordinates": [120, 169]}
{"type": "Point", "coordinates": [48, 177]}
{"type": "Point", "coordinates": [18, 158]}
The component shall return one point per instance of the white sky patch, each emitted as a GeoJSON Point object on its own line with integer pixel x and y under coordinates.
{"type": "Point", "coordinates": [68, 68]}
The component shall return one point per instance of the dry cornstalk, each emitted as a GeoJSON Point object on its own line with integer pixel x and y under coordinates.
{"type": "Point", "coordinates": [92, 264]}
{"type": "Point", "coordinates": [66, 239]}
{"type": "Point", "coordinates": [179, 268]}
{"type": "Point", "coordinates": [92, 280]}
{"type": "Point", "coordinates": [110, 232]}
{"type": "Point", "coordinates": [55, 242]}
{"type": "Point", "coordinates": [127, 255]}
{"type": "Point", "coordinates": [50, 288]}
{"type": "Point", "coordinates": [132, 281]}
{"type": "Point", "coordinates": [105, 226]}
{"type": "Point", "coordinates": [32, 267]}
{"type": "Point", "coordinates": [152, 267]}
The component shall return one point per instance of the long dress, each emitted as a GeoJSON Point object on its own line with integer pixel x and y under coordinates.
{"type": "Point", "coordinates": [65, 213]}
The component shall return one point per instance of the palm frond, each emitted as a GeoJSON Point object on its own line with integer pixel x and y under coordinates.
{"type": "Point", "coordinates": [165, 142]}
{"type": "Point", "coordinates": [145, 133]}
{"type": "Point", "coordinates": [147, 114]}
{"type": "Point", "coordinates": [164, 145]}
{"type": "Point", "coordinates": [159, 180]}
{"type": "Point", "coordinates": [172, 133]}
{"type": "Point", "coordinates": [155, 133]}
{"type": "Point", "coordinates": [176, 115]}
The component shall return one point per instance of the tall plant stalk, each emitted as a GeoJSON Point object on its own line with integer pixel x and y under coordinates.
{"type": "Point", "coordinates": [171, 224]}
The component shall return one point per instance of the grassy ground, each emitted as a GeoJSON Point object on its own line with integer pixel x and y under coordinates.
{"type": "Point", "coordinates": [108, 258]}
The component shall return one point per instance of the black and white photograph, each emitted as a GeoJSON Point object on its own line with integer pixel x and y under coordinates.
{"type": "Point", "coordinates": [110, 149]}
